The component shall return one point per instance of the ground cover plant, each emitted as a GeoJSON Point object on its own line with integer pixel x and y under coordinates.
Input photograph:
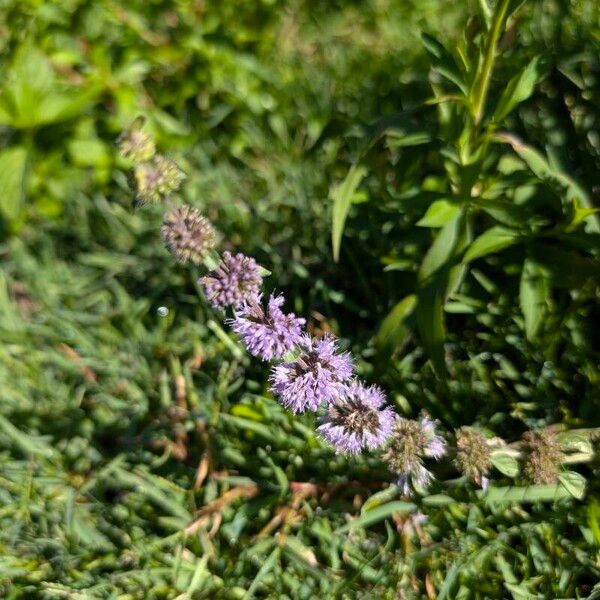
{"type": "Point", "coordinates": [417, 180]}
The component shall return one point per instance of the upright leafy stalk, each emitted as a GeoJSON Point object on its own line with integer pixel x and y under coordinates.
{"type": "Point", "coordinates": [482, 82]}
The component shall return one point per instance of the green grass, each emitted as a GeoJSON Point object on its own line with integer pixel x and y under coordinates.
{"type": "Point", "coordinates": [142, 455]}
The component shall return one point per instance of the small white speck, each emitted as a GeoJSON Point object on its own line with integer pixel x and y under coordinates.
{"type": "Point", "coordinates": [162, 311]}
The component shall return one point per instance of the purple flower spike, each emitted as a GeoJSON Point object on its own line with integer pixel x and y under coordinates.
{"type": "Point", "coordinates": [358, 420]}
{"type": "Point", "coordinates": [317, 375]}
{"type": "Point", "coordinates": [268, 333]}
{"type": "Point", "coordinates": [234, 282]}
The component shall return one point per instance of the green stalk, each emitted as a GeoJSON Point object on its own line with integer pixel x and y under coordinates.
{"type": "Point", "coordinates": [480, 88]}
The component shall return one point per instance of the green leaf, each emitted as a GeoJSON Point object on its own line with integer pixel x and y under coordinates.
{"type": "Point", "coordinates": [13, 177]}
{"type": "Point", "coordinates": [581, 213]}
{"type": "Point", "coordinates": [379, 514]}
{"type": "Point", "coordinates": [342, 195]}
{"type": "Point", "coordinates": [431, 323]}
{"type": "Point", "coordinates": [532, 493]}
{"type": "Point", "coordinates": [486, 11]}
{"type": "Point", "coordinates": [385, 495]}
{"type": "Point", "coordinates": [507, 465]}
{"type": "Point", "coordinates": [266, 567]}
{"type": "Point", "coordinates": [438, 500]}
{"type": "Point", "coordinates": [534, 293]}
{"type": "Point", "coordinates": [519, 88]}
{"type": "Point", "coordinates": [401, 138]}
{"type": "Point", "coordinates": [444, 63]}
{"type": "Point", "coordinates": [393, 329]}
{"type": "Point", "coordinates": [493, 240]}
{"type": "Point", "coordinates": [442, 250]}
{"type": "Point", "coordinates": [574, 483]}
{"type": "Point", "coordinates": [439, 213]}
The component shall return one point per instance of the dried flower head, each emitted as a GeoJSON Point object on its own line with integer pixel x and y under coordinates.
{"type": "Point", "coordinates": [155, 180]}
{"type": "Point", "coordinates": [358, 419]}
{"type": "Point", "coordinates": [136, 145]}
{"type": "Point", "coordinates": [411, 442]}
{"type": "Point", "coordinates": [188, 234]}
{"type": "Point", "coordinates": [543, 456]}
{"type": "Point", "coordinates": [473, 455]}
{"type": "Point", "coordinates": [268, 333]}
{"type": "Point", "coordinates": [235, 282]}
{"type": "Point", "coordinates": [316, 376]}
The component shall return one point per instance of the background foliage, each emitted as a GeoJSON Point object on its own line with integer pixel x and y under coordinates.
{"type": "Point", "coordinates": [141, 454]}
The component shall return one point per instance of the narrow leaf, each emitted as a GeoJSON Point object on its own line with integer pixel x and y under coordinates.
{"type": "Point", "coordinates": [439, 213]}
{"type": "Point", "coordinates": [519, 88]}
{"type": "Point", "coordinates": [379, 514]}
{"type": "Point", "coordinates": [491, 241]}
{"type": "Point", "coordinates": [394, 329]}
{"type": "Point", "coordinates": [342, 199]}
{"type": "Point", "coordinates": [442, 250]}
{"type": "Point", "coordinates": [534, 293]}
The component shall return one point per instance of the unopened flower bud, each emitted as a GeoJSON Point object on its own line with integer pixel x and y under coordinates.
{"type": "Point", "coordinates": [155, 180]}
{"type": "Point", "coordinates": [188, 234]}
{"type": "Point", "coordinates": [543, 457]}
{"type": "Point", "coordinates": [411, 442]}
{"type": "Point", "coordinates": [473, 454]}
{"type": "Point", "coordinates": [136, 145]}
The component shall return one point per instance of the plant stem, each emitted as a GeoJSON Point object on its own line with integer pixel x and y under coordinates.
{"type": "Point", "coordinates": [480, 88]}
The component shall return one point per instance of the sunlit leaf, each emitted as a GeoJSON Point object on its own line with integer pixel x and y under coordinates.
{"type": "Point", "coordinates": [342, 199]}
{"type": "Point", "coordinates": [533, 296]}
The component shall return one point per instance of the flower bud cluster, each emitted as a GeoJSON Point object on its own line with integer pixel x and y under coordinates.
{"type": "Point", "coordinates": [153, 177]}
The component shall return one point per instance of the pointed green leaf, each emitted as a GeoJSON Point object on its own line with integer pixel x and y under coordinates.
{"type": "Point", "coordinates": [379, 514]}
{"type": "Point", "coordinates": [442, 250]}
{"type": "Point", "coordinates": [519, 88]}
{"type": "Point", "coordinates": [491, 241]}
{"type": "Point", "coordinates": [342, 199]}
{"type": "Point", "coordinates": [431, 323]}
{"type": "Point", "coordinates": [507, 465]}
{"type": "Point", "coordinates": [542, 168]}
{"type": "Point", "coordinates": [439, 213]}
{"type": "Point", "coordinates": [574, 483]}
{"type": "Point", "coordinates": [393, 329]}
{"type": "Point", "coordinates": [534, 293]}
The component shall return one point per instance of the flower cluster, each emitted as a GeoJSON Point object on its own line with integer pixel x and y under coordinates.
{"type": "Point", "coordinates": [155, 180]}
{"type": "Point", "coordinates": [235, 282]}
{"type": "Point", "coordinates": [411, 442]}
{"type": "Point", "coordinates": [358, 419]}
{"type": "Point", "coordinates": [188, 234]}
{"type": "Point", "coordinates": [136, 145]}
{"type": "Point", "coordinates": [311, 374]}
{"type": "Point", "coordinates": [543, 456]}
{"type": "Point", "coordinates": [473, 455]}
{"type": "Point", "coordinates": [267, 333]}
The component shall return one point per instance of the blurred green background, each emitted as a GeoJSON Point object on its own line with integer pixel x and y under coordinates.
{"type": "Point", "coordinates": [141, 455]}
